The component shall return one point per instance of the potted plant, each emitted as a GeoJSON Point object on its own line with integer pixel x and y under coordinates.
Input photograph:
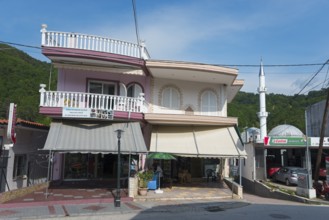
{"type": "Point", "coordinates": [143, 178]}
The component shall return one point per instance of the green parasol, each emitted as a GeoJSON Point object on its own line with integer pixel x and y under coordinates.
{"type": "Point", "coordinates": [161, 156]}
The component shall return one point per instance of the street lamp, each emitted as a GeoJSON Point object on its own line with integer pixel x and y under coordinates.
{"type": "Point", "coordinates": [118, 196]}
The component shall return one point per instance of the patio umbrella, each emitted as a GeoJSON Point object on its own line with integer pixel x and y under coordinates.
{"type": "Point", "coordinates": [161, 156]}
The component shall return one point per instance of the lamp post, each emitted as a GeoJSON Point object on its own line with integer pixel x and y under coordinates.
{"type": "Point", "coordinates": [118, 196]}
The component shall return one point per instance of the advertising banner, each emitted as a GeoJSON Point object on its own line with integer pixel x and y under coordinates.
{"type": "Point", "coordinates": [315, 142]}
{"type": "Point", "coordinates": [69, 112]}
{"type": "Point", "coordinates": [285, 141]}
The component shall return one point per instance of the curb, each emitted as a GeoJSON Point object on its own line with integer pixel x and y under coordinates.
{"type": "Point", "coordinates": [62, 202]}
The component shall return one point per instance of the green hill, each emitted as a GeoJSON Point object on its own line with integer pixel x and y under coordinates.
{"type": "Point", "coordinates": [20, 79]}
{"type": "Point", "coordinates": [21, 75]}
{"type": "Point", "coordinates": [282, 109]}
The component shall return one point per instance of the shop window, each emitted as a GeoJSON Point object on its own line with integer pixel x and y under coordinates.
{"type": "Point", "coordinates": [19, 166]}
{"type": "Point", "coordinates": [171, 98]}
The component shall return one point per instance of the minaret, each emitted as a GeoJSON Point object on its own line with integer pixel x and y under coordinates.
{"type": "Point", "coordinates": [262, 114]}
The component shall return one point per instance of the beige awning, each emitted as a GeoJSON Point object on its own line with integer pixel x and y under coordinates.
{"type": "Point", "coordinates": [197, 141]}
{"type": "Point", "coordinates": [95, 137]}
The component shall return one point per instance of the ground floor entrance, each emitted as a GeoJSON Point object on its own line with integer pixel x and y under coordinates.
{"type": "Point", "coordinates": [96, 166]}
{"type": "Point", "coordinates": [87, 166]}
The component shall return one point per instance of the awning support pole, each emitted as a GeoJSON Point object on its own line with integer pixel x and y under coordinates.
{"type": "Point", "coordinates": [240, 171]}
{"type": "Point", "coordinates": [48, 173]}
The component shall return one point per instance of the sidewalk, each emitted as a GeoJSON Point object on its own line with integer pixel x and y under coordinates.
{"type": "Point", "coordinates": [62, 202]}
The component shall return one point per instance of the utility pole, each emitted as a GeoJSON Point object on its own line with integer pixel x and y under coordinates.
{"type": "Point", "coordinates": [323, 129]}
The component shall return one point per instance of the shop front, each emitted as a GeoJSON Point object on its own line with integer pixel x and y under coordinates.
{"type": "Point", "coordinates": [201, 151]}
{"type": "Point", "coordinates": [97, 166]}
{"type": "Point", "coordinates": [89, 150]}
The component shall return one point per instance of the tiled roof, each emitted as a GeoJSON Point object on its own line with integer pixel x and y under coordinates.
{"type": "Point", "coordinates": [25, 123]}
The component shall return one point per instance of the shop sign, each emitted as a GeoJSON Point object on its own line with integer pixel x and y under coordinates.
{"type": "Point", "coordinates": [315, 142]}
{"type": "Point", "coordinates": [284, 141]}
{"type": "Point", "coordinates": [69, 112]}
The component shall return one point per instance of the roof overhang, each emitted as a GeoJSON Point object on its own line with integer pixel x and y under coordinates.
{"type": "Point", "coordinates": [197, 72]}
{"type": "Point", "coordinates": [97, 60]}
{"type": "Point", "coordinates": [179, 119]}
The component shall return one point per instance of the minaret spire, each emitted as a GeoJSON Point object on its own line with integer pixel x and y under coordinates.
{"type": "Point", "coordinates": [262, 114]}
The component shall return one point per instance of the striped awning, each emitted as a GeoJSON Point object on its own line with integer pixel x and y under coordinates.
{"type": "Point", "coordinates": [95, 137]}
{"type": "Point", "coordinates": [197, 141]}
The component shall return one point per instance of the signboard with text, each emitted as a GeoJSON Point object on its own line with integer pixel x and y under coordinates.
{"type": "Point", "coordinates": [315, 141]}
{"type": "Point", "coordinates": [69, 112]}
{"type": "Point", "coordinates": [285, 141]}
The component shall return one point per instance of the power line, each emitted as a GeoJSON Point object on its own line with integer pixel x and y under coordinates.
{"type": "Point", "coordinates": [228, 65]}
{"type": "Point", "coordinates": [323, 65]}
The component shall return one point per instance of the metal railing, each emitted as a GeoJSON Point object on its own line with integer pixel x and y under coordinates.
{"type": "Point", "coordinates": [92, 101]}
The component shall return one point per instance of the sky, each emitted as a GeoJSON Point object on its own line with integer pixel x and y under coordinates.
{"type": "Point", "coordinates": [289, 36]}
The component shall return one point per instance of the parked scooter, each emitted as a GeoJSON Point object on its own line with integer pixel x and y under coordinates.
{"type": "Point", "coordinates": [322, 189]}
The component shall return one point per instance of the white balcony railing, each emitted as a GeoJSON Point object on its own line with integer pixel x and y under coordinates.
{"type": "Point", "coordinates": [92, 101]}
{"type": "Point", "coordinates": [92, 42]}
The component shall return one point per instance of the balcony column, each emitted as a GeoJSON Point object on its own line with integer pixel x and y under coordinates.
{"type": "Point", "coordinates": [42, 94]}
{"type": "Point", "coordinates": [141, 102]}
{"type": "Point", "coordinates": [143, 54]}
{"type": "Point", "coordinates": [43, 34]}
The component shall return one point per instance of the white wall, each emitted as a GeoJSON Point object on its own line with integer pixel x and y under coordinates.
{"type": "Point", "coordinates": [248, 166]}
{"type": "Point", "coordinates": [190, 96]}
{"type": "Point", "coordinates": [28, 142]}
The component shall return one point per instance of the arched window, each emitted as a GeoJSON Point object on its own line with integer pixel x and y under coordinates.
{"type": "Point", "coordinates": [208, 103]}
{"type": "Point", "coordinates": [134, 90]}
{"type": "Point", "coordinates": [171, 98]}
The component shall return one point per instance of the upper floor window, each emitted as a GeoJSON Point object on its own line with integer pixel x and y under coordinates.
{"type": "Point", "coordinates": [171, 98]}
{"type": "Point", "coordinates": [100, 87]}
{"type": "Point", "coordinates": [134, 90]}
{"type": "Point", "coordinates": [208, 102]}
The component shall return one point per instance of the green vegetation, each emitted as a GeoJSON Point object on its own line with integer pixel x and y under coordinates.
{"type": "Point", "coordinates": [282, 109]}
{"type": "Point", "coordinates": [20, 79]}
{"type": "Point", "coordinates": [144, 177]}
{"type": "Point", "coordinates": [21, 76]}
{"type": "Point", "coordinates": [274, 187]}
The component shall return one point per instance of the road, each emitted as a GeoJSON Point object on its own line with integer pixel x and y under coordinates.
{"type": "Point", "coordinates": [252, 207]}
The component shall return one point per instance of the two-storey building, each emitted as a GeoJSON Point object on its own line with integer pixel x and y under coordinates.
{"type": "Point", "coordinates": [161, 106]}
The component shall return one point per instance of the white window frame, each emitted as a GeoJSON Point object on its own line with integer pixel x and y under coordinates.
{"type": "Point", "coordinates": [209, 103]}
{"type": "Point", "coordinates": [103, 83]}
{"type": "Point", "coordinates": [137, 89]}
{"type": "Point", "coordinates": [173, 94]}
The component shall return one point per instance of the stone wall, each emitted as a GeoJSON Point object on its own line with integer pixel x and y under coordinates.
{"type": "Point", "coordinates": [235, 188]}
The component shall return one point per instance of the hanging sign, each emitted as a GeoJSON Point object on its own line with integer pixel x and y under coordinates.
{"type": "Point", "coordinates": [69, 112]}
{"type": "Point", "coordinates": [11, 135]}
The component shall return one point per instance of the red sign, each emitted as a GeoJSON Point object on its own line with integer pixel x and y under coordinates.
{"type": "Point", "coordinates": [11, 135]}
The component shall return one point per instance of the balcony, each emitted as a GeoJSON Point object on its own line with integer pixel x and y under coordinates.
{"type": "Point", "coordinates": [59, 100]}
{"type": "Point", "coordinates": [92, 43]}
